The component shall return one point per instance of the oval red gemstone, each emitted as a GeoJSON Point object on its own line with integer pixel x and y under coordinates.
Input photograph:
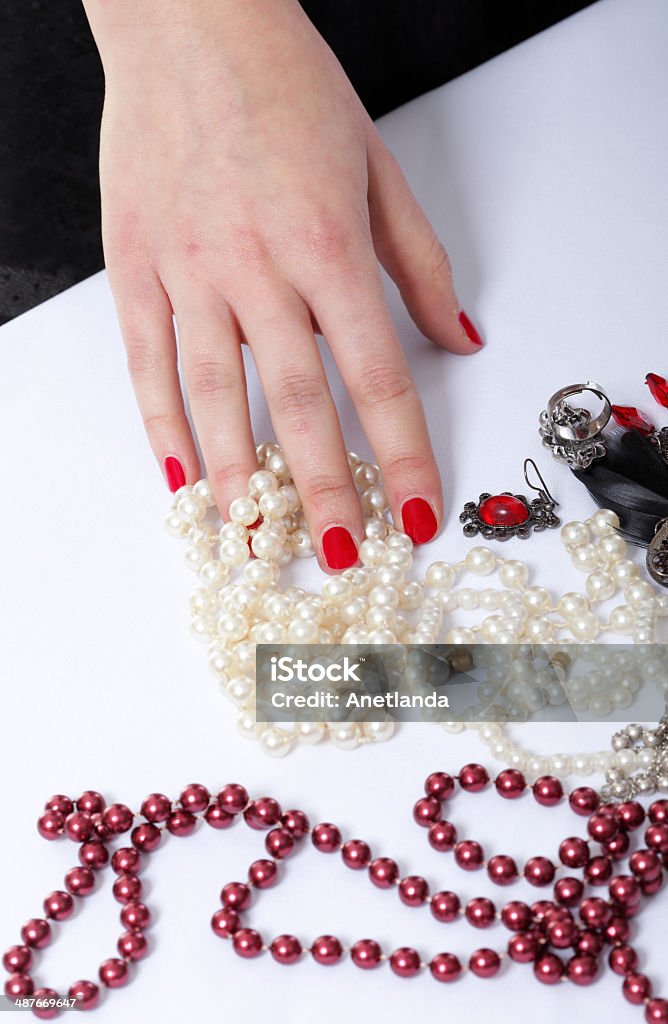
{"type": "Point", "coordinates": [627, 416]}
{"type": "Point", "coordinates": [503, 510]}
{"type": "Point", "coordinates": [659, 388]}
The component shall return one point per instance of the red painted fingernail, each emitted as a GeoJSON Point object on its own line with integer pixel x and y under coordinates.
{"type": "Point", "coordinates": [419, 520]}
{"type": "Point", "coordinates": [339, 548]}
{"type": "Point", "coordinates": [174, 473]}
{"type": "Point", "coordinates": [469, 329]}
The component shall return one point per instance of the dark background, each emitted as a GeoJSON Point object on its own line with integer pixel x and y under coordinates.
{"type": "Point", "coordinates": [51, 90]}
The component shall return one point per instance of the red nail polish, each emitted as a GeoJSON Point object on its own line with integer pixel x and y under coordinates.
{"type": "Point", "coordinates": [418, 520]}
{"type": "Point", "coordinates": [174, 473]}
{"type": "Point", "coordinates": [339, 548]}
{"type": "Point", "coordinates": [469, 329]}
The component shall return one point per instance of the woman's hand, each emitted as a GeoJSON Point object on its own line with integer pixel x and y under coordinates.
{"type": "Point", "coordinates": [246, 191]}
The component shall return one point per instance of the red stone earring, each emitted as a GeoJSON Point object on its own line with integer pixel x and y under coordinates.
{"type": "Point", "coordinates": [500, 516]}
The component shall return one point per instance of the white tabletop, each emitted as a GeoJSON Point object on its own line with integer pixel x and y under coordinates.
{"type": "Point", "coordinates": [544, 172]}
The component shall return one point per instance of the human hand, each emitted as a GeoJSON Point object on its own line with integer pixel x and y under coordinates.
{"type": "Point", "coordinates": [246, 191]}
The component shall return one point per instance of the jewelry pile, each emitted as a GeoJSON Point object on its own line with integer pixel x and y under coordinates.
{"type": "Point", "coordinates": [240, 602]}
{"type": "Point", "coordinates": [564, 936]}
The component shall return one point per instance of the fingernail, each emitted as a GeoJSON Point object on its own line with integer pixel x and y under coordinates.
{"type": "Point", "coordinates": [418, 520]}
{"type": "Point", "coordinates": [339, 548]}
{"type": "Point", "coordinates": [469, 329]}
{"type": "Point", "coordinates": [174, 473]}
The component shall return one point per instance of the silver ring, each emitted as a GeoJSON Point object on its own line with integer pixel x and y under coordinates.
{"type": "Point", "coordinates": [582, 431]}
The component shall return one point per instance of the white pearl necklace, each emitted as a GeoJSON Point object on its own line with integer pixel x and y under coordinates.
{"type": "Point", "coordinates": [241, 603]}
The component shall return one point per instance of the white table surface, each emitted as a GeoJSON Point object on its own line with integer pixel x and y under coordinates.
{"type": "Point", "coordinates": [544, 172]}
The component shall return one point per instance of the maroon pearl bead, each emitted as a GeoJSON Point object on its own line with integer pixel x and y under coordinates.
{"type": "Point", "coordinates": [91, 802]}
{"type": "Point", "coordinates": [100, 830]}
{"type": "Point", "coordinates": [561, 933]}
{"type": "Point", "coordinates": [590, 942]}
{"type": "Point", "coordinates": [127, 888]}
{"type": "Point", "coordinates": [80, 881]}
{"type": "Point", "coordinates": [114, 973]}
{"type": "Point", "coordinates": [602, 827]}
{"type": "Point", "coordinates": [574, 852]}
{"type": "Point", "coordinates": [582, 969]}
{"type": "Point", "coordinates": [645, 864]}
{"type": "Point", "coordinates": [126, 861]}
{"type": "Point", "coordinates": [195, 798]}
{"type": "Point", "coordinates": [516, 916]}
{"type": "Point", "coordinates": [584, 801]}
{"type": "Point", "coordinates": [132, 945]}
{"type": "Point", "coordinates": [595, 912]}
{"type": "Point", "coordinates": [445, 906]}
{"type": "Point", "coordinates": [405, 962]}
{"type": "Point", "coordinates": [45, 996]}
{"type": "Point", "coordinates": [469, 855]}
{"type": "Point", "coordinates": [135, 916]}
{"type": "Point", "coordinates": [656, 837]}
{"type": "Point", "coordinates": [617, 929]}
{"type": "Point", "coordinates": [235, 896]}
{"type": "Point", "coordinates": [279, 843]}
{"type": "Point", "coordinates": [480, 912]}
{"type": "Point", "coordinates": [658, 812]}
{"type": "Point", "coordinates": [484, 963]}
{"type": "Point", "coordinates": [326, 837]}
{"type": "Point", "coordinates": [36, 933]}
{"type": "Point", "coordinates": [539, 871]}
{"type": "Point", "coordinates": [548, 969]}
{"type": "Point", "coordinates": [263, 874]}
{"type": "Point", "coordinates": [327, 950]}
{"type": "Point", "coordinates": [656, 1011]}
{"type": "Point", "coordinates": [510, 783]}
{"type": "Point", "coordinates": [295, 822]}
{"type": "Point", "coordinates": [543, 910]}
{"type": "Point", "coordinates": [78, 827]}
{"type": "Point", "coordinates": [262, 813]}
{"type": "Point", "coordinates": [225, 923]}
{"type": "Point", "coordinates": [59, 803]}
{"type": "Point", "coordinates": [356, 854]}
{"type": "Point", "coordinates": [58, 905]}
{"type": "Point", "coordinates": [568, 892]}
{"type": "Point", "coordinates": [146, 837]}
{"type": "Point", "coordinates": [548, 790]}
{"type": "Point", "coordinates": [623, 959]}
{"type": "Point", "coordinates": [383, 872]}
{"type": "Point", "coordinates": [523, 947]}
{"type": "Point", "coordinates": [631, 815]}
{"type": "Point", "coordinates": [445, 967]}
{"type": "Point", "coordinates": [426, 811]}
{"type": "Point", "coordinates": [50, 824]}
{"type": "Point", "coordinates": [95, 855]}
{"type": "Point", "coordinates": [156, 807]}
{"type": "Point", "coordinates": [117, 818]}
{"type": "Point", "coordinates": [618, 847]}
{"type": "Point", "coordinates": [18, 985]}
{"type": "Point", "coordinates": [181, 823]}
{"type": "Point", "coordinates": [624, 890]}
{"type": "Point", "coordinates": [440, 784]}
{"type": "Point", "coordinates": [442, 836]}
{"type": "Point", "coordinates": [366, 954]}
{"type": "Point", "coordinates": [598, 871]}
{"type": "Point", "coordinates": [17, 959]}
{"type": "Point", "coordinates": [217, 818]}
{"type": "Point", "coordinates": [413, 890]}
{"type": "Point", "coordinates": [233, 798]}
{"type": "Point", "coordinates": [286, 949]}
{"type": "Point", "coordinates": [85, 993]}
{"type": "Point", "coordinates": [637, 988]}
{"type": "Point", "coordinates": [649, 888]}
{"type": "Point", "coordinates": [502, 869]}
{"type": "Point", "coordinates": [473, 778]}
{"type": "Point", "coordinates": [247, 943]}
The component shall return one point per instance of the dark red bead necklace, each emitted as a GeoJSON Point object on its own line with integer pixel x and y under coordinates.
{"type": "Point", "coordinates": [564, 937]}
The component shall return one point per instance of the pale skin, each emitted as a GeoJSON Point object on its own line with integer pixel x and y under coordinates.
{"type": "Point", "coordinates": [247, 195]}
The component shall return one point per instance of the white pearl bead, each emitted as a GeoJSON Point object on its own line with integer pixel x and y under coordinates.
{"type": "Point", "coordinates": [310, 732]}
{"type": "Point", "coordinates": [514, 574]}
{"type": "Point", "coordinates": [603, 522]}
{"type": "Point", "coordinates": [573, 534]}
{"type": "Point", "coordinates": [584, 626]}
{"type": "Point", "coordinates": [261, 482]}
{"type": "Point", "coordinates": [585, 557]}
{"type": "Point", "coordinates": [600, 585]}
{"type": "Point", "coordinates": [244, 511]}
{"type": "Point", "coordinates": [480, 561]}
{"type": "Point", "coordinates": [275, 742]}
{"type": "Point", "coordinates": [379, 732]}
{"type": "Point", "coordinates": [345, 735]}
{"type": "Point", "coordinates": [638, 591]}
{"type": "Point", "coordinates": [460, 635]}
{"type": "Point", "coordinates": [468, 599]}
{"type": "Point", "coordinates": [440, 575]}
{"type": "Point", "coordinates": [572, 604]}
{"type": "Point", "coordinates": [372, 552]}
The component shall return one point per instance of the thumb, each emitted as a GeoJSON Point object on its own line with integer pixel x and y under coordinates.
{"type": "Point", "coordinates": [408, 248]}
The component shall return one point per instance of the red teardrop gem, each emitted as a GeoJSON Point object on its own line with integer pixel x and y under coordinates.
{"type": "Point", "coordinates": [659, 388]}
{"type": "Point", "coordinates": [629, 418]}
{"type": "Point", "coordinates": [503, 510]}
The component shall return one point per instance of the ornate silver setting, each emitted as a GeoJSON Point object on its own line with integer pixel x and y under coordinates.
{"type": "Point", "coordinates": [660, 441]}
{"type": "Point", "coordinates": [572, 434]}
{"type": "Point", "coordinates": [657, 554]}
{"type": "Point", "coordinates": [539, 512]}
{"type": "Point", "coordinates": [653, 777]}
